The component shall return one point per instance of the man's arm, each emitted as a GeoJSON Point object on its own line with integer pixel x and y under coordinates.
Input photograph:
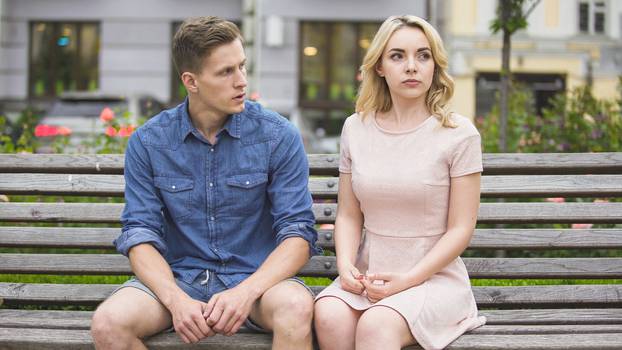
{"type": "Point", "coordinates": [291, 208]}
{"type": "Point", "coordinates": [142, 242]}
{"type": "Point", "coordinates": [187, 313]}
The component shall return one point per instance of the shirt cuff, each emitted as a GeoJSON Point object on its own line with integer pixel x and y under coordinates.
{"type": "Point", "coordinates": [303, 231]}
{"type": "Point", "coordinates": [136, 236]}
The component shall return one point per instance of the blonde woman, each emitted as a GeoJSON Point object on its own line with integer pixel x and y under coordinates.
{"type": "Point", "coordinates": [408, 199]}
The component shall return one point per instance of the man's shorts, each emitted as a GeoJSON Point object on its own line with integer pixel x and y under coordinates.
{"type": "Point", "coordinates": [202, 288]}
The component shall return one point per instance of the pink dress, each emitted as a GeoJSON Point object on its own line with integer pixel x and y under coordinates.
{"type": "Point", "coordinates": [401, 180]}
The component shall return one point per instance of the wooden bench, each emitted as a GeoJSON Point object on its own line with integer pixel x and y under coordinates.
{"type": "Point", "coordinates": [519, 317]}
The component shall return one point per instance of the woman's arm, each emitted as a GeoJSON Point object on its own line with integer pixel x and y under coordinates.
{"type": "Point", "coordinates": [348, 227]}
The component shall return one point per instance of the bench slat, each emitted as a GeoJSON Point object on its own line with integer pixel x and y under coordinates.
{"type": "Point", "coordinates": [101, 238]}
{"type": "Point", "coordinates": [492, 186]}
{"type": "Point", "coordinates": [606, 318]}
{"type": "Point", "coordinates": [325, 266]}
{"type": "Point", "coordinates": [326, 164]}
{"type": "Point", "coordinates": [555, 296]}
{"type": "Point", "coordinates": [27, 338]}
{"type": "Point", "coordinates": [489, 213]}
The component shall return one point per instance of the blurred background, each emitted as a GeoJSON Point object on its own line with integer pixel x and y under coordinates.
{"type": "Point", "coordinates": [63, 61]}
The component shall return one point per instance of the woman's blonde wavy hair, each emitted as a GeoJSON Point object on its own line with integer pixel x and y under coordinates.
{"type": "Point", "coordinates": [373, 94]}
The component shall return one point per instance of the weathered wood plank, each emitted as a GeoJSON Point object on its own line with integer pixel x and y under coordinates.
{"type": "Point", "coordinates": [101, 238]}
{"type": "Point", "coordinates": [32, 339]}
{"type": "Point", "coordinates": [62, 163]}
{"type": "Point", "coordinates": [326, 164]}
{"type": "Point", "coordinates": [489, 213]}
{"type": "Point", "coordinates": [324, 266]}
{"type": "Point", "coordinates": [606, 318]}
{"type": "Point", "coordinates": [25, 338]}
{"type": "Point", "coordinates": [492, 186]}
{"type": "Point", "coordinates": [557, 296]}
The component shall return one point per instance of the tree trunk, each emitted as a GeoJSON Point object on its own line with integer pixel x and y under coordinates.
{"type": "Point", "coordinates": [505, 79]}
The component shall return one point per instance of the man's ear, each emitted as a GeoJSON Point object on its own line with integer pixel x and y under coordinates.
{"type": "Point", "coordinates": [190, 82]}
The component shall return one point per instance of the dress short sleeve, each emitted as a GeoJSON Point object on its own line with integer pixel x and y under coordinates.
{"type": "Point", "coordinates": [345, 162]}
{"type": "Point", "coordinates": [467, 157]}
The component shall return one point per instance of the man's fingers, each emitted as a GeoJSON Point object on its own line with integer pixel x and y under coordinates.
{"type": "Point", "coordinates": [189, 336]}
{"type": "Point", "coordinates": [232, 321]}
{"type": "Point", "coordinates": [237, 325]}
{"type": "Point", "coordinates": [209, 307]}
{"type": "Point", "coordinates": [223, 321]}
{"type": "Point", "coordinates": [193, 332]}
{"type": "Point", "coordinates": [201, 323]}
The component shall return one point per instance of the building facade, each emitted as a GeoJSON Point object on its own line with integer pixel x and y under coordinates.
{"type": "Point", "coordinates": [567, 43]}
{"type": "Point", "coordinates": [303, 55]}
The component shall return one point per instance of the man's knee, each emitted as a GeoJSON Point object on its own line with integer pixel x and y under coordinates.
{"type": "Point", "coordinates": [292, 308]}
{"type": "Point", "coordinates": [295, 307]}
{"type": "Point", "coordinates": [106, 327]}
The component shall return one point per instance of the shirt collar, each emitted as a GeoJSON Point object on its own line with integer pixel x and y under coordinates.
{"type": "Point", "coordinates": [232, 125]}
{"type": "Point", "coordinates": [186, 123]}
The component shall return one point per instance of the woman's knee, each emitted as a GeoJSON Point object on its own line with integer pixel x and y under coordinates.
{"type": "Point", "coordinates": [382, 325]}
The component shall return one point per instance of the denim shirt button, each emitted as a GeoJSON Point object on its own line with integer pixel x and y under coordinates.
{"type": "Point", "coordinates": [211, 184]}
{"type": "Point", "coordinates": [212, 218]}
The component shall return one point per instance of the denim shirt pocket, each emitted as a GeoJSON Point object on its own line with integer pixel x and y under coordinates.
{"type": "Point", "coordinates": [176, 193]}
{"type": "Point", "coordinates": [246, 192]}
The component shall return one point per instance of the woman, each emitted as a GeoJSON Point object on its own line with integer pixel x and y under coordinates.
{"type": "Point", "coordinates": [410, 180]}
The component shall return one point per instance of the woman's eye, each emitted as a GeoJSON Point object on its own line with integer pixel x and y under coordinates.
{"type": "Point", "coordinates": [424, 56]}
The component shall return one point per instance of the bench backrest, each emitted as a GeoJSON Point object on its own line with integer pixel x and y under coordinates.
{"type": "Point", "coordinates": [515, 188]}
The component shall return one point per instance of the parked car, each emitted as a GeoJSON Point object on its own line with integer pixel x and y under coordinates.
{"type": "Point", "coordinates": [77, 114]}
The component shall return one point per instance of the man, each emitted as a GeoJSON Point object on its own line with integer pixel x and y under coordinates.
{"type": "Point", "coordinates": [218, 214]}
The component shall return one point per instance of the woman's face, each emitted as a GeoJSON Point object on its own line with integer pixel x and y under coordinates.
{"type": "Point", "coordinates": [407, 64]}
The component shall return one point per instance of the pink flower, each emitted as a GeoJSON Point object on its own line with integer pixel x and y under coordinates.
{"type": "Point", "coordinates": [254, 96]}
{"type": "Point", "coordinates": [581, 226]}
{"type": "Point", "coordinates": [64, 131]}
{"type": "Point", "coordinates": [110, 131]}
{"type": "Point", "coordinates": [126, 131]}
{"type": "Point", "coordinates": [556, 200]}
{"type": "Point", "coordinates": [106, 115]}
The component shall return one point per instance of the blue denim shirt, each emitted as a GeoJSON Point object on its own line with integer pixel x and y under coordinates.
{"type": "Point", "coordinates": [222, 207]}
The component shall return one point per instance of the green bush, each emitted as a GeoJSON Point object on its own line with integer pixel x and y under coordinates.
{"type": "Point", "coordinates": [574, 122]}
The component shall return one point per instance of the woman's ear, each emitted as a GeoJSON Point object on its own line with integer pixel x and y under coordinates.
{"type": "Point", "coordinates": [190, 82]}
{"type": "Point", "coordinates": [379, 69]}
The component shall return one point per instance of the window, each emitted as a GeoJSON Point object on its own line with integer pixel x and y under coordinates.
{"type": "Point", "coordinates": [543, 87]}
{"type": "Point", "coordinates": [331, 54]}
{"type": "Point", "coordinates": [63, 56]}
{"type": "Point", "coordinates": [592, 17]}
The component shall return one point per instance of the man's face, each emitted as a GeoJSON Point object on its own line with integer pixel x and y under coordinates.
{"type": "Point", "coordinates": [221, 84]}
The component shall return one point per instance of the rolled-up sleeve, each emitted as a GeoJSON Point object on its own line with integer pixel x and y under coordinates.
{"type": "Point", "coordinates": [288, 190]}
{"type": "Point", "coordinates": [142, 215]}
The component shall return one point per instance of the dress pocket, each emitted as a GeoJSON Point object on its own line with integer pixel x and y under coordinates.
{"type": "Point", "coordinates": [436, 207]}
{"type": "Point", "coordinates": [247, 192]}
{"type": "Point", "coordinates": [176, 193]}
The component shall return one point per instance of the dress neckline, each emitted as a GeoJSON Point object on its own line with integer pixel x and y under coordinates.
{"type": "Point", "coordinates": [427, 120]}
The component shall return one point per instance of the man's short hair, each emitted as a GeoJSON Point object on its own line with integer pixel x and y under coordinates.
{"type": "Point", "coordinates": [197, 37]}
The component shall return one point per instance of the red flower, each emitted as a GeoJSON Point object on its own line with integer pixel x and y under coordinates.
{"type": "Point", "coordinates": [106, 115]}
{"type": "Point", "coordinates": [110, 131]}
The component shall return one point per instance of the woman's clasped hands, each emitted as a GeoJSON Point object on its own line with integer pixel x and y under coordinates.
{"type": "Point", "coordinates": [375, 286]}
